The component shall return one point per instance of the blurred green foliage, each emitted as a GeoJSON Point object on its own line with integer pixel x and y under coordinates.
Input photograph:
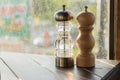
{"type": "Point", "coordinates": [45, 9]}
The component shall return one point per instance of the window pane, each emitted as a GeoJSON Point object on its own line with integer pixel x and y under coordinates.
{"type": "Point", "coordinates": [102, 41]}
{"type": "Point", "coordinates": [29, 25]}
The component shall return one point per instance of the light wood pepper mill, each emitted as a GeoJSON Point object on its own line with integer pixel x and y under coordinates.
{"type": "Point", "coordinates": [85, 40]}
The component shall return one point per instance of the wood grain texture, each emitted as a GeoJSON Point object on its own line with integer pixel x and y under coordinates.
{"type": "Point", "coordinates": [26, 68]}
{"type": "Point", "coordinates": [117, 29]}
{"type": "Point", "coordinates": [5, 73]}
{"type": "Point", "coordinates": [42, 67]}
{"type": "Point", "coordinates": [65, 73]}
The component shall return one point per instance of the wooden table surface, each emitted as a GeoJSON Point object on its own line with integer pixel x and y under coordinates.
{"type": "Point", "coordinates": [19, 66]}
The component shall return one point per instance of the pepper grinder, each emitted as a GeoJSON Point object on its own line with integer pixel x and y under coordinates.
{"type": "Point", "coordinates": [63, 44]}
{"type": "Point", "coordinates": [85, 40]}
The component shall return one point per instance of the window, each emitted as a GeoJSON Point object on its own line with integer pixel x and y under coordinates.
{"type": "Point", "coordinates": [31, 24]}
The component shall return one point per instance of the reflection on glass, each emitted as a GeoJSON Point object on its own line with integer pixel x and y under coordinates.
{"type": "Point", "coordinates": [30, 24]}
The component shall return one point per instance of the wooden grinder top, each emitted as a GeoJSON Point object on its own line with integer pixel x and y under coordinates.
{"type": "Point", "coordinates": [86, 18]}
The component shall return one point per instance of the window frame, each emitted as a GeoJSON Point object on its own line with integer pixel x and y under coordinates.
{"type": "Point", "coordinates": [111, 32]}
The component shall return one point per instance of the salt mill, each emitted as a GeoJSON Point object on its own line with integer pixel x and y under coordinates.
{"type": "Point", "coordinates": [63, 44]}
{"type": "Point", "coordinates": [85, 40]}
